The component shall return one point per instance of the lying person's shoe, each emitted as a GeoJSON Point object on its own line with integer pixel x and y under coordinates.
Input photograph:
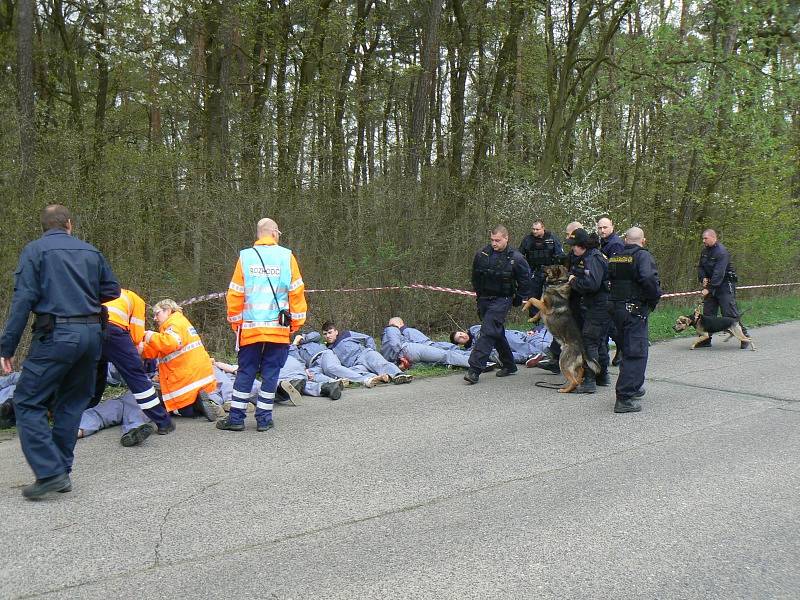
{"type": "Point", "coordinates": [137, 435]}
{"type": "Point", "coordinates": [168, 428]}
{"type": "Point", "coordinates": [372, 382]}
{"type": "Point", "coordinates": [287, 392]}
{"type": "Point", "coordinates": [550, 365]}
{"type": "Point", "coordinates": [535, 359]}
{"type": "Point", "coordinates": [57, 483]}
{"type": "Point", "coordinates": [7, 418]}
{"type": "Point", "coordinates": [332, 390]}
{"type": "Point", "coordinates": [206, 407]}
{"type": "Point", "coordinates": [506, 371]}
{"type": "Point", "coordinates": [226, 425]}
{"type": "Point", "coordinates": [402, 378]}
{"type": "Point", "coordinates": [265, 426]}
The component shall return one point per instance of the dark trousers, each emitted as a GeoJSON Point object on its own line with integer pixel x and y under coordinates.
{"type": "Point", "coordinates": [58, 375]}
{"type": "Point", "coordinates": [724, 300]}
{"type": "Point", "coordinates": [537, 289]}
{"type": "Point", "coordinates": [595, 334]}
{"type": "Point", "coordinates": [493, 313]}
{"type": "Point", "coordinates": [268, 358]}
{"type": "Point", "coordinates": [118, 349]}
{"type": "Point", "coordinates": [632, 332]}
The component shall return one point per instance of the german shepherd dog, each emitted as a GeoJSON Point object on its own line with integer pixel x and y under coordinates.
{"type": "Point", "coordinates": [555, 311]}
{"type": "Point", "coordinates": [705, 326]}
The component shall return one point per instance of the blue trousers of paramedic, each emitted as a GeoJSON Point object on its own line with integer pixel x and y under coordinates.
{"type": "Point", "coordinates": [58, 375]}
{"type": "Point", "coordinates": [267, 358]}
{"type": "Point", "coordinates": [493, 312]}
{"type": "Point", "coordinates": [118, 349]}
{"type": "Point", "coordinates": [632, 332]}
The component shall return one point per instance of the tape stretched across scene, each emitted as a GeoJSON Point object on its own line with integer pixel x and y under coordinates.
{"type": "Point", "coordinates": [447, 290]}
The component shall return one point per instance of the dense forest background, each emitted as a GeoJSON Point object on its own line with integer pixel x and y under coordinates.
{"type": "Point", "coordinates": [387, 137]}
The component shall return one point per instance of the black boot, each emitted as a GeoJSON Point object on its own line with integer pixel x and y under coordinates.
{"type": "Point", "coordinates": [626, 406]}
{"type": "Point", "coordinates": [471, 376]}
{"type": "Point", "coordinates": [332, 390]}
{"type": "Point", "coordinates": [704, 344]}
{"type": "Point", "coordinates": [57, 483]}
{"type": "Point", "coordinates": [588, 385]}
{"type": "Point", "coordinates": [603, 379]}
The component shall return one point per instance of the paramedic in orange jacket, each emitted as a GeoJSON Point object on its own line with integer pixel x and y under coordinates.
{"type": "Point", "coordinates": [125, 330]}
{"type": "Point", "coordinates": [184, 367]}
{"type": "Point", "coordinates": [266, 304]}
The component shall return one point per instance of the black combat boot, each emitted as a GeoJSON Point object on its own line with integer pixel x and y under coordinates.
{"type": "Point", "coordinates": [588, 385]}
{"type": "Point", "coordinates": [603, 379]}
{"type": "Point", "coordinates": [471, 376]}
{"type": "Point", "coordinates": [332, 390]}
{"type": "Point", "coordinates": [626, 406]}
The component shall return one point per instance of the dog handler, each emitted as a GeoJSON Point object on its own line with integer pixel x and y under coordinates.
{"type": "Point", "coordinates": [716, 274]}
{"type": "Point", "coordinates": [635, 292]}
{"type": "Point", "coordinates": [500, 277]}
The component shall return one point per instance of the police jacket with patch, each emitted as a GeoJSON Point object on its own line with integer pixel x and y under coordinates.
{"type": "Point", "coordinates": [57, 275]}
{"type": "Point", "coordinates": [715, 264]}
{"type": "Point", "coordinates": [633, 276]}
{"type": "Point", "coordinates": [612, 245]}
{"type": "Point", "coordinates": [542, 251]}
{"type": "Point", "coordinates": [502, 274]}
{"type": "Point", "coordinates": [591, 277]}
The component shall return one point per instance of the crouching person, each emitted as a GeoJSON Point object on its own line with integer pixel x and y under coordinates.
{"type": "Point", "coordinates": [184, 367]}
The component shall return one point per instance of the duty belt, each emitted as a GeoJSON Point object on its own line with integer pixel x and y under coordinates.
{"type": "Point", "coordinates": [78, 320]}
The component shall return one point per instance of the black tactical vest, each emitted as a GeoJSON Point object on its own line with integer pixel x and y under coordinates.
{"type": "Point", "coordinates": [621, 274]}
{"type": "Point", "coordinates": [542, 252]}
{"type": "Point", "coordinates": [494, 273]}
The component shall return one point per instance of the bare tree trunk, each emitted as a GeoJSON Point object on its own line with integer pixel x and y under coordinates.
{"type": "Point", "coordinates": [430, 56]}
{"type": "Point", "coordinates": [27, 129]}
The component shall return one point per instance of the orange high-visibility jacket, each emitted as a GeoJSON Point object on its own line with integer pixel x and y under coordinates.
{"type": "Point", "coordinates": [244, 286]}
{"type": "Point", "coordinates": [127, 312]}
{"type": "Point", "coordinates": [184, 367]}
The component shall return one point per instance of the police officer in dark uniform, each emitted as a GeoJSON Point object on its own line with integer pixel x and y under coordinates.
{"type": "Point", "coordinates": [589, 280]}
{"type": "Point", "coordinates": [610, 245]}
{"type": "Point", "coordinates": [716, 274]}
{"type": "Point", "coordinates": [500, 277]}
{"type": "Point", "coordinates": [635, 292]}
{"type": "Point", "coordinates": [63, 281]}
{"type": "Point", "coordinates": [540, 248]}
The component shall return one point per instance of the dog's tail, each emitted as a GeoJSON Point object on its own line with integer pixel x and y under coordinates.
{"type": "Point", "coordinates": [592, 364]}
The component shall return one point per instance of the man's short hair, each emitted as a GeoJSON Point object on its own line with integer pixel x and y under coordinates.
{"type": "Point", "coordinates": [539, 221]}
{"type": "Point", "coordinates": [55, 216]}
{"type": "Point", "coordinates": [500, 230]}
{"type": "Point", "coordinates": [328, 325]}
{"type": "Point", "coordinates": [711, 231]}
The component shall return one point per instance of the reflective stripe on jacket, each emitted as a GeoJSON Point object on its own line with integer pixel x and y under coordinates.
{"type": "Point", "coordinates": [128, 312]}
{"type": "Point", "coordinates": [184, 367]}
{"type": "Point", "coordinates": [252, 310]}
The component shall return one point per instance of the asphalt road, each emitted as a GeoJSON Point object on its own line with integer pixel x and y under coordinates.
{"type": "Point", "coordinates": [441, 490]}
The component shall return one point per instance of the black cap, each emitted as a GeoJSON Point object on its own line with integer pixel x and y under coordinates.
{"type": "Point", "coordinates": [579, 237]}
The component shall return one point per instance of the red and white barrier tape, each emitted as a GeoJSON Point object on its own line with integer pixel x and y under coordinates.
{"type": "Point", "coordinates": [436, 288]}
